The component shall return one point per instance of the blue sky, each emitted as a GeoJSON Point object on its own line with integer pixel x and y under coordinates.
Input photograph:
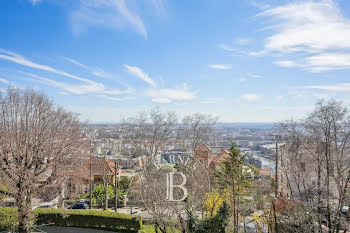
{"type": "Point", "coordinates": [244, 61]}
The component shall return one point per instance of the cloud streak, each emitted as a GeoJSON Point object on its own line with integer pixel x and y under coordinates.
{"type": "Point", "coordinates": [314, 30]}
{"type": "Point", "coordinates": [77, 63]}
{"type": "Point", "coordinates": [168, 95]}
{"type": "Point", "coordinates": [250, 97]}
{"type": "Point", "coordinates": [87, 86]}
{"type": "Point", "coordinates": [19, 59]}
{"type": "Point", "coordinates": [112, 14]}
{"type": "Point", "coordinates": [139, 73]}
{"type": "Point", "coordinates": [5, 81]}
{"type": "Point", "coordinates": [336, 87]}
{"type": "Point", "coordinates": [220, 66]}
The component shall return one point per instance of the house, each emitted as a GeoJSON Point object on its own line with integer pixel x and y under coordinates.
{"type": "Point", "coordinates": [101, 170]}
{"type": "Point", "coordinates": [204, 154]}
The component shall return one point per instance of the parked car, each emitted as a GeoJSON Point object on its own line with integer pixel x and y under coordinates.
{"type": "Point", "coordinates": [345, 209]}
{"type": "Point", "coordinates": [48, 205]}
{"type": "Point", "coordinates": [79, 205]}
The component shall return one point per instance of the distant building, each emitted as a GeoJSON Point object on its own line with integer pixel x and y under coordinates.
{"type": "Point", "coordinates": [101, 169]}
{"type": "Point", "coordinates": [204, 154]}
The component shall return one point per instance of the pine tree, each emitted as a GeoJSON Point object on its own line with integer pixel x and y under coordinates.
{"type": "Point", "coordinates": [235, 178]}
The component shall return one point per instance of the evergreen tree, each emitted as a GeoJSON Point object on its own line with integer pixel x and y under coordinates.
{"type": "Point", "coordinates": [235, 178]}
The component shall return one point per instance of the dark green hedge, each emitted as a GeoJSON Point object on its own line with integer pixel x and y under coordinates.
{"type": "Point", "coordinates": [97, 219]}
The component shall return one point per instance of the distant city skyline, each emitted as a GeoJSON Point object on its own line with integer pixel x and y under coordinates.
{"type": "Point", "coordinates": [244, 61]}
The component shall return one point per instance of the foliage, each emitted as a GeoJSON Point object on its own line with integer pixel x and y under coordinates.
{"type": "Point", "coordinates": [214, 200]}
{"type": "Point", "coordinates": [261, 219]}
{"type": "Point", "coordinates": [215, 223]}
{"type": "Point", "coordinates": [150, 229]}
{"type": "Point", "coordinates": [123, 187]}
{"type": "Point", "coordinates": [99, 192]}
{"type": "Point", "coordinates": [254, 169]}
{"type": "Point", "coordinates": [88, 219]}
{"type": "Point", "coordinates": [124, 184]}
{"type": "Point", "coordinates": [5, 191]}
{"type": "Point", "coordinates": [236, 178]}
{"type": "Point", "coordinates": [73, 218]}
{"type": "Point", "coordinates": [147, 229]}
{"type": "Point", "coordinates": [232, 173]}
{"type": "Point", "coordinates": [8, 218]}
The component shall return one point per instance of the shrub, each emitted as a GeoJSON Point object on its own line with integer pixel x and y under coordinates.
{"type": "Point", "coordinates": [147, 229]}
{"type": "Point", "coordinates": [8, 218]}
{"type": "Point", "coordinates": [99, 192]}
{"type": "Point", "coordinates": [88, 219]}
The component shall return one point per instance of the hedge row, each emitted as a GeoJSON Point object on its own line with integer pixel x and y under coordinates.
{"type": "Point", "coordinates": [97, 219]}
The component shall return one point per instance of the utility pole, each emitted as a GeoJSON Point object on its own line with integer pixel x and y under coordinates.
{"type": "Point", "coordinates": [105, 177]}
{"type": "Point", "coordinates": [116, 173]}
{"type": "Point", "coordinates": [91, 150]}
{"type": "Point", "coordinates": [276, 185]}
{"type": "Point", "coordinates": [276, 171]}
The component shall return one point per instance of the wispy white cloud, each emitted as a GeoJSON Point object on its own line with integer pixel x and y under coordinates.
{"type": "Point", "coordinates": [220, 66]}
{"type": "Point", "coordinates": [308, 26]}
{"type": "Point", "coordinates": [227, 47]}
{"type": "Point", "coordinates": [77, 89]}
{"type": "Point", "coordinates": [314, 30]}
{"type": "Point", "coordinates": [113, 98]}
{"type": "Point", "coordinates": [5, 81]}
{"type": "Point", "coordinates": [114, 14]}
{"type": "Point", "coordinates": [320, 62]}
{"type": "Point", "coordinates": [131, 18]}
{"type": "Point", "coordinates": [138, 72]}
{"type": "Point", "coordinates": [252, 75]}
{"type": "Point", "coordinates": [260, 5]}
{"type": "Point", "coordinates": [211, 100]}
{"type": "Point", "coordinates": [243, 41]}
{"type": "Point", "coordinates": [242, 80]}
{"type": "Point", "coordinates": [77, 63]}
{"type": "Point", "coordinates": [167, 95]}
{"type": "Point", "coordinates": [34, 2]}
{"type": "Point", "coordinates": [161, 100]}
{"type": "Point", "coordinates": [19, 59]}
{"type": "Point", "coordinates": [328, 61]}
{"type": "Point", "coordinates": [160, 6]}
{"type": "Point", "coordinates": [88, 86]}
{"type": "Point", "coordinates": [335, 87]}
{"type": "Point", "coordinates": [63, 93]}
{"type": "Point", "coordinates": [234, 50]}
{"type": "Point", "coordinates": [98, 72]}
{"type": "Point", "coordinates": [250, 97]}
{"type": "Point", "coordinates": [279, 97]}
{"type": "Point", "coordinates": [286, 63]}
{"type": "Point", "coordinates": [322, 95]}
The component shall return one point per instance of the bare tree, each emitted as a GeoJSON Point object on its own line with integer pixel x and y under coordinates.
{"type": "Point", "coordinates": [315, 163]}
{"type": "Point", "coordinates": [149, 133]}
{"type": "Point", "coordinates": [36, 138]}
{"type": "Point", "coordinates": [195, 128]}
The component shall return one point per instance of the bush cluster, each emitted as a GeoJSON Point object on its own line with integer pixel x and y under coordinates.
{"type": "Point", "coordinates": [96, 219]}
{"type": "Point", "coordinates": [8, 218]}
{"type": "Point", "coordinates": [88, 219]}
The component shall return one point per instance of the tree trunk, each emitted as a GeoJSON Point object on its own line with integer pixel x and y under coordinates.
{"type": "Point", "coordinates": [24, 204]}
